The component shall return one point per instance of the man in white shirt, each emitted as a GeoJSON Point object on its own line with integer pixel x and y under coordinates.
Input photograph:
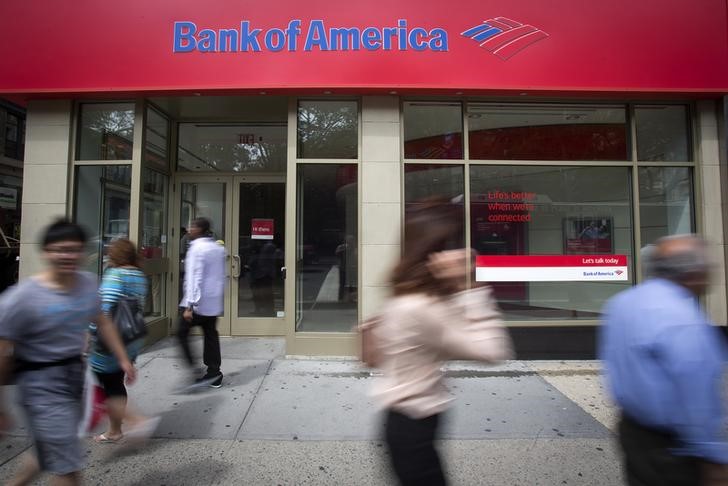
{"type": "Point", "coordinates": [202, 300]}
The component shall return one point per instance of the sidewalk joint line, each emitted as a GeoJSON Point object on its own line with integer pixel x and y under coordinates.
{"type": "Point", "coordinates": [22, 450]}
{"type": "Point", "coordinates": [255, 396]}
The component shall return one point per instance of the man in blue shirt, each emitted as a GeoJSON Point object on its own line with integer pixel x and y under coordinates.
{"type": "Point", "coordinates": [664, 366]}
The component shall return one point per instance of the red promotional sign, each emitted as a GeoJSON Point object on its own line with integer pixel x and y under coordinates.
{"type": "Point", "coordinates": [550, 268]}
{"type": "Point", "coordinates": [261, 229]}
{"type": "Point", "coordinates": [409, 46]}
{"type": "Point", "coordinates": [550, 260]}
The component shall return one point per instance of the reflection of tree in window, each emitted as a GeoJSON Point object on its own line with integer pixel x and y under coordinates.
{"type": "Point", "coordinates": [662, 183]}
{"type": "Point", "coordinates": [237, 147]}
{"type": "Point", "coordinates": [115, 128]}
{"type": "Point", "coordinates": [257, 155]}
{"type": "Point", "coordinates": [118, 122]}
{"type": "Point", "coordinates": [327, 130]}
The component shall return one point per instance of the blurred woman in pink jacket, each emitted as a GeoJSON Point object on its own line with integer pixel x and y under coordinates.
{"type": "Point", "coordinates": [432, 317]}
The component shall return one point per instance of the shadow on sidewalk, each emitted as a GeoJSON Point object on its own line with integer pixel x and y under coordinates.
{"type": "Point", "coordinates": [191, 470]}
{"type": "Point", "coordinates": [242, 377]}
{"type": "Point", "coordinates": [172, 421]}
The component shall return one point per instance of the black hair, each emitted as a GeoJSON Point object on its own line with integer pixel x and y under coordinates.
{"type": "Point", "coordinates": [203, 224]}
{"type": "Point", "coordinates": [63, 230]}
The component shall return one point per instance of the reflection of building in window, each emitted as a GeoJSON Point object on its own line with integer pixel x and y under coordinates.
{"type": "Point", "coordinates": [12, 147]}
{"type": "Point", "coordinates": [14, 135]}
{"type": "Point", "coordinates": [115, 147]}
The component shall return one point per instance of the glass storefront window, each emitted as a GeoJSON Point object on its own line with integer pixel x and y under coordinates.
{"type": "Point", "coordinates": [433, 130]}
{"type": "Point", "coordinates": [106, 131]}
{"type": "Point", "coordinates": [547, 132]}
{"type": "Point", "coordinates": [662, 133]}
{"type": "Point", "coordinates": [557, 210]}
{"type": "Point", "coordinates": [522, 210]}
{"type": "Point", "coordinates": [102, 202]}
{"type": "Point", "coordinates": [244, 148]}
{"type": "Point", "coordinates": [327, 240]}
{"type": "Point", "coordinates": [666, 197]}
{"type": "Point", "coordinates": [328, 130]}
{"type": "Point", "coordinates": [435, 182]}
{"type": "Point", "coordinates": [157, 130]}
{"type": "Point", "coordinates": [154, 238]}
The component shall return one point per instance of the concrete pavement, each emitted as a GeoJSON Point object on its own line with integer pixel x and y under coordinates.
{"type": "Point", "coordinates": [279, 420]}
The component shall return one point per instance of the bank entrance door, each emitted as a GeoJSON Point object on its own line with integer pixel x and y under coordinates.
{"type": "Point", "coordinates": [247, 215]}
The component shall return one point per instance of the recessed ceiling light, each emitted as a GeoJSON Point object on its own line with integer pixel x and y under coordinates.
{"type": "Point", "coordinates": [524, 94]}
{"type": "Point", "coordinates": [458, 93]}
{"type": "Point", "coordinates": [327, 92]}
{"type": "Point", "coordinates": [262, 92]}
{"type": "Point", "coordinates": [393, 92]}
{"type": "Point", "coordinates": [197, 94]}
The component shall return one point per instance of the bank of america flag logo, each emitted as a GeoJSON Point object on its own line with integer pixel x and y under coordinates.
{"type": "Point", "coordinates": [504, 37]}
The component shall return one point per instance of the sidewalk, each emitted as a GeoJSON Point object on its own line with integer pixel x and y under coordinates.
{"type": "Point", "coordinates": [300, 421]}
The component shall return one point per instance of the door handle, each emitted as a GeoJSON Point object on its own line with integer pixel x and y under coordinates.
{"type": "Point", "coordinates": [283, 273]}
{"type": "Point", "coordinates": [236, 266]}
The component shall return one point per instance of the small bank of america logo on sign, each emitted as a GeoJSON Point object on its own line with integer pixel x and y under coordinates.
{"type": "Point", "coordinates": [619, 272]}
{"type": "Point", "coordinates": [504, 37]}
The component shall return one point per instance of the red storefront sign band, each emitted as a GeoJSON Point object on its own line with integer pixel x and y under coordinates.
{"type": "Point", "coordinates": [408, 46]}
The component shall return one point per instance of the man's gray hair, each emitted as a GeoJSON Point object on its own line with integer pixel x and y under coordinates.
{"type": "Point", "coordinates": [679, 265]}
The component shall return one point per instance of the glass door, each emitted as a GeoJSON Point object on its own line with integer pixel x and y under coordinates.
{"type": "Point", "coordinates": [205, 197]}
{"type": "Point", "coordinates": [258, 256]}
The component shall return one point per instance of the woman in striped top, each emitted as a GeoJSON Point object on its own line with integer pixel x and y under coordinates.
{"type": "Point", "coordinates": [122, 279]}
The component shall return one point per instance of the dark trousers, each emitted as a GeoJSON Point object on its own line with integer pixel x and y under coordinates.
{"type": "Point", "coordinates": [649, 461]}
{"type": "Point", "coordinates": [112, 383]}
{"type": "Point", "coordinates": [211, 349]}
{"type": "Point", "coordinates": [412, 449]}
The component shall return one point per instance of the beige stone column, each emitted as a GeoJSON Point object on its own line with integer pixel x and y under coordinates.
{"type": "Point", "coordinates": [381, 197]}
{"type": "Point", "coordinates": [710, 205]}
{"type": "Point", "coordinates": [45, 175]}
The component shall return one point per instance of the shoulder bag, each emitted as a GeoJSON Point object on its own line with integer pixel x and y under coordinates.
{"type": "Point", "coordinates": [129, 319]}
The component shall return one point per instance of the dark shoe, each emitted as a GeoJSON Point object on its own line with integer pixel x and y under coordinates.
{"type": "Point", "coordinates": [217, 382]}
{"type": "Point", "coordinates": [194, 385]}
{"type": "Point", "coordinates": [213, 380]}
